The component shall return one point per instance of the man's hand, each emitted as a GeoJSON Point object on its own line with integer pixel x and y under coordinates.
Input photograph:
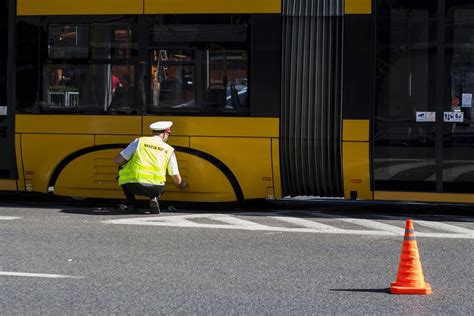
{"type": "Point", "coordinates": [179, 182]}
{"type": "Point", "coordinates": [182, 185]}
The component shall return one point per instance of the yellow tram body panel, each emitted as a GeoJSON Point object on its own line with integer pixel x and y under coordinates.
{"type": "Point", "coordinates": [78, 7]}
{"type": "Point", "coordinates": [90, 175]}
{"type": "Point", "coordinates": [247, 158]}
{"type": "Point", "coordinates": [78, 124]}
{"type": "Point", "coordinates": [276, 170]}
{"type": "Point", "coordinates": [356, 158]}
{"type": "Point", "coordinates": [42, 153]}
{"type": "Point", "coordinates": [89, 7]}
{"type": "Point", "coordinates": [358, 6]}
{"type": "Point", "coordinates": [94, 175]}
{"type": "Point", "coordinates": [8, 185]}
{"type": "Point", "coordinates": [212, 187]}
{"type": "Point", "coordinates": [73, 155]}
{"type": "Point", "coordinates": [19, 163]}
{"type": "Point", "coordinates": [254, 127]}
{"type": "Point", "coordinates": [211, 6]}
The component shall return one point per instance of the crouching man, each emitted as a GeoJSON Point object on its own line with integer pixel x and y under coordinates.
{"type": "Point", "coordinates": [143, 167]}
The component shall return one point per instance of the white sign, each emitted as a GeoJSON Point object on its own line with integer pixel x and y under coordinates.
{"type": "Point", "coordinates": [467, 100]}
{"type": "Point", "coordinates": [426, 116]}
{"type": "Point", "coordinates": [431, 116]}
{"type": "Point", "coordinates": [453, 117]}
{"type": "Point", "coordinates": [3, 110]}
{"type": "Point", "coordinates": [421, 116]}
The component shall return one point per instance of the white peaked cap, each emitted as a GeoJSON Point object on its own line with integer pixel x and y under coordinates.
{"type": "Point", "coordinates": [161, 125]}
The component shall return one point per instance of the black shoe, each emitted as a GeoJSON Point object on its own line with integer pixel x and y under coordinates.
{"type": "Point", "coordinates": [132, 209]}
{"type": "Point", "coordinates": [154, 206]}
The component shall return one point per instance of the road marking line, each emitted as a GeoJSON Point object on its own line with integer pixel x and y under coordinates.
{"type": "Point", "coordinates": [181, 221]}
{"type": "Point", "coordinates": [446, 227]}
{"type": "Point", "coordinates": [39, 275]}
{"type": "Point", "coordinates": [8, 218]}
{"type": "Point", "coordinates": [237, 221]}
{"type": "Point", "coordinates": [437, 225]}
{"type": "Point", "coordinates": [153, 221]}
{"type": "Point", "coordinates": [306, 223]}
{"type": "Point", "coordinates": [366, 223]}
{"type": "Point", "coordinates": [238, 224]}
{"type": "Point", "coordinates": [156, 221]}
{"type": "Point", "coordinates": [444, 235]}
{"type": "Point", "coordinates": [232, 222]}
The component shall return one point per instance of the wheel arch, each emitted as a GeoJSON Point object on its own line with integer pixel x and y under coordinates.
{"type": "Point", "coordinates": [221, 166]}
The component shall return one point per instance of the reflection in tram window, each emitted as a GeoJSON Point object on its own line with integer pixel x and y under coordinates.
{"type": "Point", "coordinates": [458, 137]}
{"type": "Point", "coordinates": [404, 150]}
{"type": "Point", "coordinates": [88, 70]}
{"type": "Point", "coordinates": [199, 80]}
{"type": "Point", "coordinates": [96, 87]}
{"type": "Point", "coordinates": [96, 40]}
{"type": "Point", "coordinates": [68, 41]}
{"type": "Point", "coordinates": [199, 64]}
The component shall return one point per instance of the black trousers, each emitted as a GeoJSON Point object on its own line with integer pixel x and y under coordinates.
{"type": "Point", "coordinates": [143, 189]}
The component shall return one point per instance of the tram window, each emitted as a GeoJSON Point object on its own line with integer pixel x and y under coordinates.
{"type": "Point", "coordinates": [86, 69]}
{"type": "Point", "coordinates": [195, 33]}
{"type": "Point", "coordinates": [199, 80]}
{"type": "Point", "coordinates": [228, 71]}
{"type": "Point", "coordinates": [3, 58]}
{"type": "Point", "coordinates": [97, 41]}
{"type": "Point", "coordinates": [91, 88]}
{"type": "Point", "coordinates": [3, 69]}
{"type": "Point", "coordinates": [27, 66]}
{"type": "Point", "coordinates": [199, 67]}
{"type": "Point", "coordinates": [68, 41]}
{"type": "Point", "coordinates": [173, 74]}
{"type": "Point", "coordinates": [112, 41]}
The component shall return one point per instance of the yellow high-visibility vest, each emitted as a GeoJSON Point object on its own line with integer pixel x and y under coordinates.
{"type": "Point", "coordinates": [149, 162]}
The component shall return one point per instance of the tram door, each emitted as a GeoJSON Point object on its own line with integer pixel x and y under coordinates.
{"type": "Point", "coordinates": [7, 150]}
{"type": "Point", "coordinates": [424, 128]}
{"type": "Point", "coordinates": [457, 154]}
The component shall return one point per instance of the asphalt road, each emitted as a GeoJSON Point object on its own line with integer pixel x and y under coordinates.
{"type": "Point", "coordinates": [82, 262]}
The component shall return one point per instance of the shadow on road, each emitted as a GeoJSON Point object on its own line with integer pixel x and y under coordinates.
{"type": "Point", "coordinates": [385, 290]}
{"type": "Point", "coordinates": [361, 209]}
{"type": "Point", "coordinates": [95, 211]}
{"type": "Point", "coordinates": [114, 207]}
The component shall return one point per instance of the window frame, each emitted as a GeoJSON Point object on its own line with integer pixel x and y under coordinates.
{"type": "Point", "coordinates": [196, 47]}
{"type": "Point", "coordinates": [133, 60]}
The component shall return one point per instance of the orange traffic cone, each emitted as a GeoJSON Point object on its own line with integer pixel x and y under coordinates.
{"type": "Point", "coordinates": [410, 279]}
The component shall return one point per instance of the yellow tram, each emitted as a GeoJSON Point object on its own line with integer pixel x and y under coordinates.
{"type": "Point", "coordinates": [358, 99]}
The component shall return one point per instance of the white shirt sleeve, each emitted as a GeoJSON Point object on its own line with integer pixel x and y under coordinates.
{"type": "Point", "coordinates": [128, 152]}
{"type": "Point", "coordinates": [173, 166]}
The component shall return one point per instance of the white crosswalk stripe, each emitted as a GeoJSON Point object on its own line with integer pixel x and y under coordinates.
{"type": "Point", "coordinates": [446, 227]}
{"type": "Point", "coordinates": [38, 275]}
{"type": "Point", "coordinates": [439, 226]}
{"type": "Point", "coordinates": [237, 221]}
{"type": "Point", "coordinates": [366, 223]}
{"type": "Point", "coordinates": [253, 221]}
{"type": "Point", "coordinates": [306, 223]}
{"type": "Point", "coordinates": [8, 218]}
